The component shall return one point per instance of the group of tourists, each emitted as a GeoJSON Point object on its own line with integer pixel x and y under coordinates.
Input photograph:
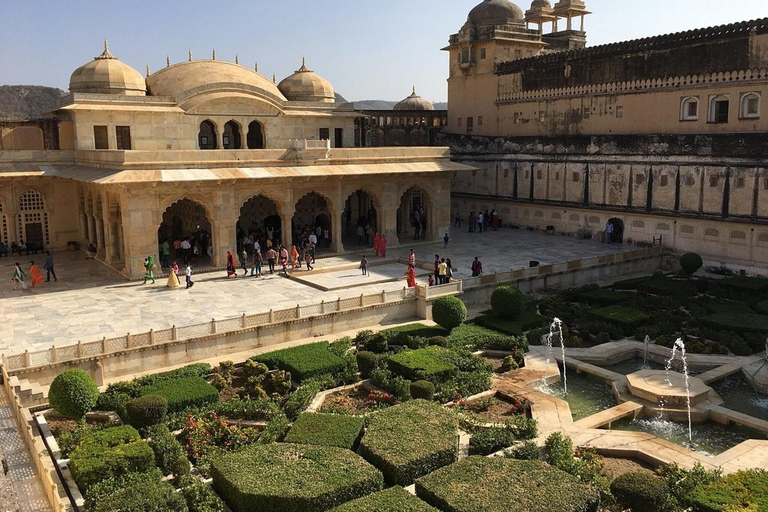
{"type": "Point", "coordinates": [419, 222]}
{"type": "Point", "coordinates": [479, 222]}
{"type": "Point", "coordinates": [252, 261]}
{"type": "Point", "coordinates": [173, 273]}
{"type": "Point", "coordinates": [36, 277]}
{"type": "Point", "coordinates": [187, 249]}
{"type": "Point", "coordinates": [18, 249]}
{"type": "Point", "coordinates": [443, 271]}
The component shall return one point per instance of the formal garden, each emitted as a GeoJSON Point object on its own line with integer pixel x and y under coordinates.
{"type": "Point", "coordinates": [349, 425]}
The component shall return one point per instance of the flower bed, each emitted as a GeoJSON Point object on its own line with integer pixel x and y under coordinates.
{"type": "Point", "coordinates": [355, 400]}
{"type": "Point", "coordinates": [482, 484]}
{"type": "Point", "coordinates": [394, 499]}
{"type": "Point", "coordinates": [326, 430]}
{"type": "Point", "coordinates": [304, 361]}
{"type": "Point", "coordinates": [410, 440]}
{"type": "Point", "coordinates": [292, 478]}
{"type": "Point", "coordinates": [495, 408]}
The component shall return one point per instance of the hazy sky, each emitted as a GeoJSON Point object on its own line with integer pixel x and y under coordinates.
{"type": "Point", "coordinates": [367, 49]}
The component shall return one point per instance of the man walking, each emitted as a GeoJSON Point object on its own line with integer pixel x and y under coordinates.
{"type": "Point", "coordinates": [364, 265]}
{"type": "Point", "coordinates": [271, 257]}
{"type": "Point", "coordinates": [188, 274]}
{"type": "Point", "coordinates": [457, 221]}
{"type": "Point", "coordinates": [165, 253]}
{"type": "Point", "coordinates": [48, 266]}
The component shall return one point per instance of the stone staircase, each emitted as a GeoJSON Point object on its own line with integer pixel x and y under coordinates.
{"type": "Point", "coordinates": [30, 394]}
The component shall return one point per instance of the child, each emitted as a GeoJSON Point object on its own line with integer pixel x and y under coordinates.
{"type": "Point", "coordinates": [446, 239]}
{"type": "Point", "coordinates": [431, 280]}
{"type": "Point", "coordinates": [188, 273]}
{"type": "Point", "coordinates": [364, 265]}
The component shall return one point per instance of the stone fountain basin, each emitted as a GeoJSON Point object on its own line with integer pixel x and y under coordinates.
{"type": "Point", "coordinates": [667, 388]}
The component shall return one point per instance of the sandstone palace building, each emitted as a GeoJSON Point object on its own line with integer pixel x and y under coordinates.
{"type": "Point", "coordinates": [209, 146]}
{"type": "Point", "coordinates": [666, 137]}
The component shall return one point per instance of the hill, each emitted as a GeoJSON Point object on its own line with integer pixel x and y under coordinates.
{"type": "Point", "coordinates": [27, 100]}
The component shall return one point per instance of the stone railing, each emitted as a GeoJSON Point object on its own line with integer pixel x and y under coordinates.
{"type": "Point", "coordinates": [637, 85]}
{"type": "Point", "coordinates": [130, 341]}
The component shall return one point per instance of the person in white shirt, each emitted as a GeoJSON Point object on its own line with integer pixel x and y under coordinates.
{"type": "Point", "coordinates": [188, 273]}
{"type": "Point", "coordinates": [313, 238]}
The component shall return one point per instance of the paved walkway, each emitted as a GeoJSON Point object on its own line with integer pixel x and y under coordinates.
{"type": "Point", "coordinates": [91, 301]}
{"type": "Point", "coordinates": [20, 489]}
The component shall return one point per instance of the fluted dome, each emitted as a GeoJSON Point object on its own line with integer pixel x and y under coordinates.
{"type": "Point", "coordinates": [105, 74]}
{"type": "Point", "coordinates": [306, 85]}
{"type": "Point", "coordinates": [541, 4]}
{"type": "Point", "coordinates": [414, 102]}
{"type": "Point", "coordinates": [495, 12]}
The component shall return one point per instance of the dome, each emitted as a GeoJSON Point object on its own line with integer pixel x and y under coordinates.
{"type": "Point", "coordinates": [414, 102]}
{"type": "Point", "coordinates": [105, 74]}
{"type": "Point", "coordinates": [306, 85]}
{"type": "Point", "coordinates": [189, 78]}
{"type": "Point", "coordinates": [541, 4]}
{"type": "Point", "coordinates": [495, 12]}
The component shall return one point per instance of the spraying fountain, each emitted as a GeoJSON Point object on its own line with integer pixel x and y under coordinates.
{"type": "Point", "coordinates": [556, 328]}
{"type": "Point", "coordinates": [681, 346]}
{"type": "Point", "coordinates": [646, 342]}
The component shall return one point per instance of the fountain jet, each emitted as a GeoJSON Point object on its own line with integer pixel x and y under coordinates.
{"type": "Point", "coordinates": [679, 345]}
{"type": "Point", "coordinates": [556, 328]}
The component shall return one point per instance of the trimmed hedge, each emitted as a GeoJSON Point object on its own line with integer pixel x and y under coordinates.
{"type": "Point", "coordinates": [477, 337]}
{"type": "Point", "coordinates": [301, 398]}
{"type": "Point", "coordinates": [136, 492]}
{"type": "Point", "coordinates": [292, 478]}
{"type": "Point", "coordinates": [422, 364]}
{"type": "Point", "coordinates": [422, 389]}
{"type": "Point", "coordinates": [657, 285]}
{"type": "Point", "coordinates": [744, 490]}
{"type": "Point", "coordinates": [304, 361]}
{"type": "Point", "coordinates": [621, 315]}
{"type": "Point", "coordinates": [525, 321]}
{"type": "Point", "coordinates": [640, 491]}
{"type": "Point", "coordinates": [483, 484]}
{"type": "Point", "coordinates": [449, 312]}
{"type": "Point", "coordinates": [507, 302]}
{"type": "Point", "coordinates": [326, 430]}
{"type": "Point", "coordinates": [73, 393]}
{"type": "Point", "coordinates": [146, 410]}
{"type": "Point", "coordinates": [736, 322]}
{"type": "Point", "coordinates": [751, 285]}
{"type": "Point", "coordinates": [367, 362]}
{"type": "Point", "coordinates": [244, 409]}
{"type": "Point", "coordinates": [604, 297]}
{"type": "Point", "coordinates": [410, 440]}
{"type": "Point", "coordinates": [690, 263]}
{"type": "Point", "coordinates": [394, 499]}
{"type": "Point", "coordinates": [417, 329]}
{"type": "Point", "coordinates": [183, 393]}
{"type": "Point", "coordinates": [168, 451]}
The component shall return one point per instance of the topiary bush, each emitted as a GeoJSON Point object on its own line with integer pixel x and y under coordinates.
{"type": "Point", "coordinates": [507, 301]}
{"type": "Point", "coordinates": [167, 450]}
{"type": "Point", "coordinates": [73, 393]}
{"type": "Point", "coordinates": [326, 430]}
{"type": "Point", "coordinates": [136, 492]}
{"type": "Point", "coordinates": [304, 361]}
{"type": "Point", "coordinates": [690, 263]}
{"type": "Point", "coordinates": [183, 393]}
{"type": "Point", "coordinates": [527, 450]}
{"type": "Point", "coordinates": [146, 411]}
{"type": "Point", "coordinates": [449, 312]}
{"type": "Point", "coordinates": [640, 491]}
{"type": "Point", "coordinates": [200, 498]}
{"type": "Point", "coordinates": [394, 499]}
{"type": "Point", "coordinates": [422, 389]}
{"type": "Point", "coordinates": [367, 362]}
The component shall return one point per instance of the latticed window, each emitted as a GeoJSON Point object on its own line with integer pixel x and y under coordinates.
{"type": "Point", "coordinates": [31, 201]}
{"type": "Point", "coordinates": [3, 228]}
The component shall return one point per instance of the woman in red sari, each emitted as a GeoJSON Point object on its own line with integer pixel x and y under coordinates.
{"type": "Point", "coordinates": [295, 258]}
{"type": "Point", "coordinates": [376, 244]}
{"type": "Point", "coordinates": [231, 269]}
{"type": "Point", "coordinates": [410, 276]}
{"type": "Point", "coordinates": [383, 246]}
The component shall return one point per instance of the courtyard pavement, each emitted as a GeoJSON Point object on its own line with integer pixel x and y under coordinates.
{"type": "Point", "coordinates": [90, 301]}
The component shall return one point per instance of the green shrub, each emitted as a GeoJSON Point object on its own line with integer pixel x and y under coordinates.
{"type": "Point", "coordinates": [477, 337]}
{"type": "Point", "coordinates": [135, 492]}
{"type": "Point", "coordinates": [73, 393]}
{"type": "Point", "coordinates": [681, 482]}
{"type": "Point", "coordinates": [410, 440]}
{"type": "Point", "coordinates": [326, 430]}
{"type": "Point", "coordinates": [558, 449]}
{"type": "Point", "coordinates": [525, 321]}
{"type": "Point", "coordinates": [640, 491]}
{"type": "Point", "coordinates": [394, 499]}
{"type": "Point", "coordinates": [736, 322]}
{"type": "Point", "coordinates": [301, 398]}
{"type": "Point", "coordinates": [507, 302]}
{"type": "Point", "coordinates": [200, 498]}
{"type": "Point", "coordinates": [422, 364]}
{"type": "Point", "coordinates": [146, 410]}
{"type": "Point", "coordinates": [690, 263]}
{"type": "Point", "coordinates": [167, 449]}
{"type": "Point", "coordinates": [292, 478]}
{"type": "Point", "coordinates": [113, 401]}
{"type": "Point", "coordinates": [743, 490]}
{"type": "Point", "coordinates": [527, 450]}
{"type": "Point", "coordinates": [417, 329]}
{"type": "Point", "coordinates": [183, 393]}
{"type": "Point", "coordinates": [449, 312]}
{"type": "Point", "coordinates": [484, 484]}
{"type": "Point", "coordinates": [437, 341]}
{"type": "Point", "coordinates": [275, 430]}
{"type": "Point", "coordinates": [304, 361]}
{"type": "Point", "coordinates": [367, 362]}
{"type": "Point", "coordinates": [621, 315]}
{"type": "Point", "coordinates": [93, 462]}
{"type": "Point", "coordinates": [258, 410]}
{"type": "Point", "coordinates": [605, 297]}
{"type": "Point", "coordinates": [253, 368]}
{"type": "Point", "coordinates": [740, 285]}
{"type": "Point", "coordinates": [490, 440]}
{"type": "Point", "coordinates": [422, 389]}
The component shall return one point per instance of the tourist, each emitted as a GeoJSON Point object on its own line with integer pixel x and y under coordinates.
{"type": "Point", "coordinates": [446, 239]}
{"type": "Point", "coordinates": [376, 244]}
{"type": "Point", "coordinates": [480, 222]}
{"type": "Point", "coordinates": [173, 276]}
{"type": "Point", "coordinates": [486, 220]}
{"type": "Point", "coordinates": [437, 268]}
{"type": "Point", "coordinates": [411, 259]}
{"type": "Point", "coordinates": [448, 270]}
{"type": "Point", "coordinates": [91, 252]}
{"type": "Point", "coordinates": [186, 250]}
{"type": "Point", "coordinates": [284, 260]}
{"type": "Point", "coordinates": [410, 276]}
{"type": "Point", "coordinates": [34, 272]}
{"type": "Point", "coordinates": [477, 267]}
{"type": "Point", "coordinates": [431, 281]}
{"type": "Point", "coordinates": [149, 269]}
{"type": "Point", "coordinates": [312, 247]}
{"type": "Point", "coordinates": [188, 274]}
{"type": "Point", "coordinates": [177, 247]}
{"type": "Point", "coordinates": [327, 237]}
{"type": "Point", "coordinates": [364, 265]}
{"type": "Point", "coordinates": [295, 258]}
{"type": "Point", "coordinates": [48, 266]}
{"type": "Point", "coordinates": [416, 222]}
{"type": "Point", "coordinates": [383, 246]}
{"type": "Point", "coordinates": [471, 221]}
{"type": "Point", "coordinates": [244, 261]}
{"type": "Point", "coordinates": [18, 277]}
{"type": "Point", "coordinates": [308, 259]}
{"type": "Point", "coordinates": [442, 272]}
{"type": "Point", "coordinates": [165, 253]}
{"type": "Point", "coordinates": [231, 270]}
{"type": "Point", "coordinates": [609, 232]}
{"type": "Point", "coordinates": [457, 220]}
{"type": "Point", "coordinates": [258, 261]}
{"type": "Point", "coordinates": [423, 224]}
{"type": "Point", "coordinates": [313, 238]}
{"type": "Point", "coordinates": [495, 219]}
{"type": "Point", "coordinates": [271, 258]}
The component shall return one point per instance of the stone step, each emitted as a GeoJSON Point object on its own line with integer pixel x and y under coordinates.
{"type": "Point", "coordinates": [605, 418]}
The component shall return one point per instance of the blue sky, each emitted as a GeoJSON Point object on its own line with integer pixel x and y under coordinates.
{"type": "Point", "coordinates": [368, 50]}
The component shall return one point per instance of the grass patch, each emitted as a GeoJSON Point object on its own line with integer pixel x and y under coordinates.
{"type": "Point", "coordinates": [605, 296]}
{"type": "Point", "coordinates": [394, 499]}
{"type": "Point", "coordinates": [736, 322]}
{"type": "Point", "coordinates": [183, 393]}
{"type": "Point", "coordinates": [410, 440]}
{"type": "Point", "coordinates": [523, 322]}
{"type": "Point", "coordinates": [482, 484]}
{"type": "Point", "coordinates": [478, 337]}
{"type": "Point", "coordinates": [620, 315]}
{"type": "Point", "coordinates": [419, 330]}
{"type": "Point", "coordinates": [422, 364]}
{"type": "Point", "coordinates": [292, 478]}
{"type": "Point", "coordinates": [304, 361]}
{"type": "Point", "coordinates": [326, 430]}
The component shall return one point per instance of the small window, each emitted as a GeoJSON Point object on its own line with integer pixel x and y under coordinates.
{"type": "Point", "coordinates": [750, 106]}
{"type": "Point", "coordinates": [689, 109]}
{"type": "Point", "coordinates": [557, 176]}
{"type": "Point", "coordinates": [482, 53]}
{"type": "Point", "coordinates": [459, 122]}
{"type": "Point", "coordinates": [664, 181]}
{"type": "Point", "coordinates": [619, 112]}
{"type": "Point", "coordinates": [325, 133]}
{"type": "Point", "coordinates": [639, 179]}
{"type": "Point", "coordinates": [479, 120]}
{"type": "Point", "coordinates": [100, 137]}
{"type": "Point", "coordinates": [470, 124]}
{"type": "Point", "coordinates": [765, 183]}
{"type": "Point", "coordinates": [713, 180]}
{"type": "Point", "coordinates": [539, 174]}
{"type": "Point", "coordinates": [740, 182]}
{"type": "Point", "coordinates": [123, 134]}
{"type": "Point", "coordinates": [506, 173]}
{"type": "Point", "coordinates": [719, 109]}
{"type": "Point", "coordinates": [576, 177]}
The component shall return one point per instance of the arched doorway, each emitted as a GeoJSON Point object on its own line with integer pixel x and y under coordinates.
{"type": "Point", "coordinates": [617, 231]}
{"type": "Point", "coordinates": [255, 135]}
{"type": "Point", "coordinates": [414, 216]}
{"type": "Point", "coordinates": [187, 223]}
{"type": "Point", "coordinates": [206, 138]}
{"type": "Point", "coordinates": [312, 215]}
{"type": "Point", "coordinates": [260, 220]}
{"type": "Point", "coordinates": [32, 225]}
{"type": "Point", "coordinates": [360, 211]}
{"type": "Point", "coordinates": [231, 138]}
